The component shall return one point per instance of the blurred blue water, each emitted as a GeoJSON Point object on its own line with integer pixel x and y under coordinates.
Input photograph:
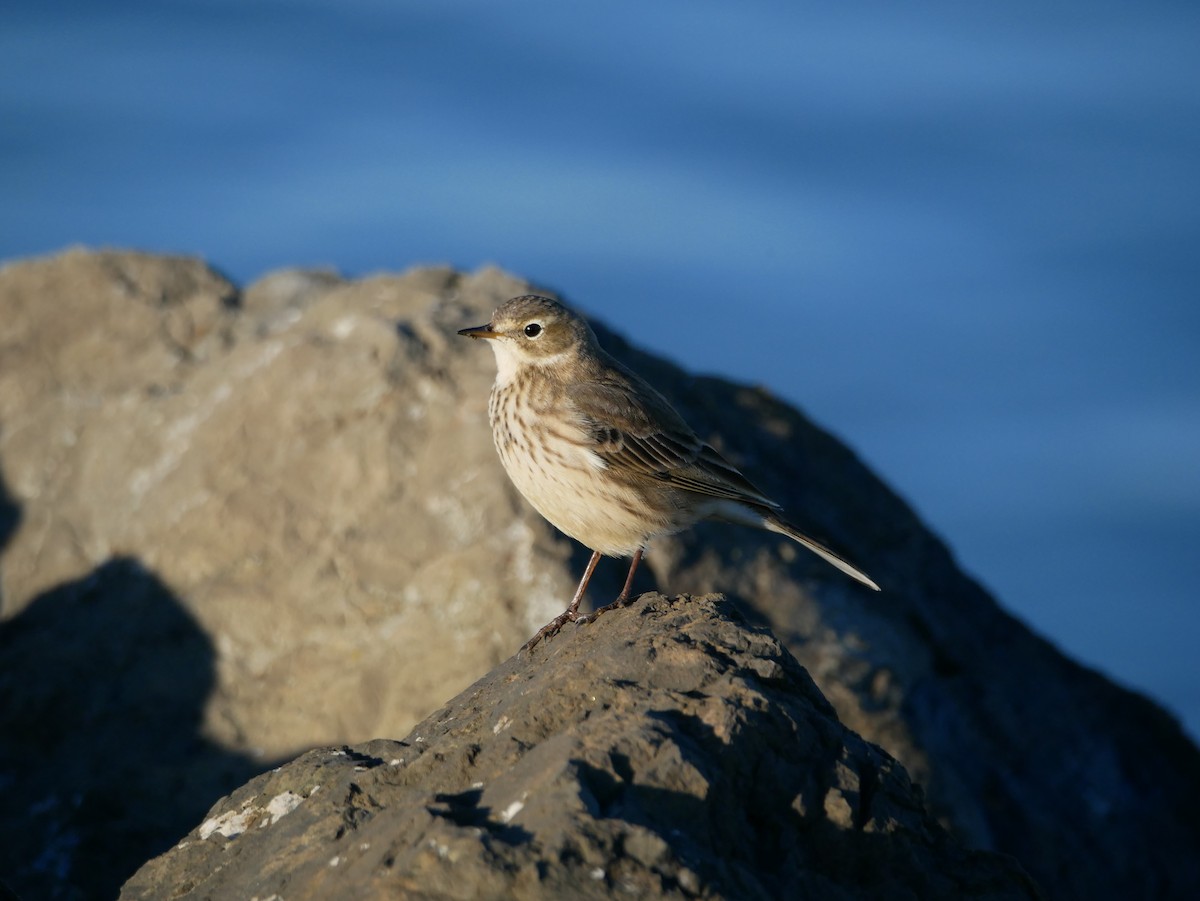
{"type": "Point", "coordinates": [962, 237]}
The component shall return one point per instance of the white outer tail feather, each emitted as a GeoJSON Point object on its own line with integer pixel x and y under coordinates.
{"type": "Point", "coordinates": [774, 524]}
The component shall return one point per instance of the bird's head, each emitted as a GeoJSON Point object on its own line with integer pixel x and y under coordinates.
{"type": "Point", "coordinates": [533, 331]}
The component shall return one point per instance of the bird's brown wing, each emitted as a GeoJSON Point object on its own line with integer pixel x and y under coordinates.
{"type": "Point", "coordinates": [634, 429]}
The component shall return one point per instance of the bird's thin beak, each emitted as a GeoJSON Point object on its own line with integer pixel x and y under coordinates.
{"type": "Point", "coordinates": [480, 331]}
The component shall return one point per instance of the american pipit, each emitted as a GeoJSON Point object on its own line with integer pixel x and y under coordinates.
{"type": "Point", "coordinates": [600, 453]}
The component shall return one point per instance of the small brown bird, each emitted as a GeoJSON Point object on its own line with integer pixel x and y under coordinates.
{"type": "Point", "coordinates": [600, 453]}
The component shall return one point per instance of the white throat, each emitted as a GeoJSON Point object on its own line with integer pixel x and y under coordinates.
{"type": "Point", "coordinates": [509, 361]}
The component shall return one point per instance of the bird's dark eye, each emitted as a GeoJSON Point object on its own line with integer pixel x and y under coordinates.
{"type": "Point", "coordinates": [533, 330]}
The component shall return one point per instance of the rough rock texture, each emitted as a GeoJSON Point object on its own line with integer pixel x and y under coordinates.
{"type": "Point", "coordinates": [667, 750]}
{"type": "Point", "coordinates": [243, 523]}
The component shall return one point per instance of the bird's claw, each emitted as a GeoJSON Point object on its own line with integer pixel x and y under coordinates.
{"type": "Point", "coordinates": [555, 625]}
{"type": "Point", "coordinates": [620, 602]}
{"type": "Point", "coordinates": [552, 628]}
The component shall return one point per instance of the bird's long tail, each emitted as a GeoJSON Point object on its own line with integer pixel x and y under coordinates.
{"type": "Point", "coordinates": [773, 523]}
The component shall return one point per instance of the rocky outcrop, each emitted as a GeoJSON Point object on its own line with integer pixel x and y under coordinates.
{"type": "Point", "coordinates": [293, 484]}
{"type": "Point", "coordinates": [666, 751]}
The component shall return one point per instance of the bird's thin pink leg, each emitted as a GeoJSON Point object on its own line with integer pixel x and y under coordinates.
{"type": "Point", "coordinates": [623, 597]}
{"type": "Point", "coordinates": [572, 612]}
{"type": "Point", "coordinates": [573, 608]}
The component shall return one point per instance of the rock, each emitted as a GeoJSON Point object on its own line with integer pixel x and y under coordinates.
{"type": "Point", "coordinates": [102, 689]}
{"type": "Point", "coordinates": [303, 471]}
{"type": "Point", "coordinates": [668, 750]}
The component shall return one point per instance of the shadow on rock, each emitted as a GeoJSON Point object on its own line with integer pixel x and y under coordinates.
{"type": "Point", "coordinates": [103, 682]}
{"type": "Point", "coordinates": [10, 518]}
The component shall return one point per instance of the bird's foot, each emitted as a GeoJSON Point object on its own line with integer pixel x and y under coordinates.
{"type": "Point", "coordinates": [622, 601]}
{"type": "Point", "coordinates": [552, 628]}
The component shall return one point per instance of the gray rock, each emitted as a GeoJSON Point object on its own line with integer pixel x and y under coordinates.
{"type": "Point", "coordinates": [664, 751]}
{"type": "Point", "coordinates": [303, 472]}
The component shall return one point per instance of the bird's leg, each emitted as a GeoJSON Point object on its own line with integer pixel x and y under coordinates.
{"type": "Point", "coordinates": [623, 597]}
{"type": "Point", "coordinates": [573, 608]}
{"type": "Point", "coordinates": [572, 612]}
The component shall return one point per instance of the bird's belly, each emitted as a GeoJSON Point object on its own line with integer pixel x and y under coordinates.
{"type": "Point", "coordinates": [551, 464]}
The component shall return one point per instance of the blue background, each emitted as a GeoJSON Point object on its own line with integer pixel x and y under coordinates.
{"type": "Point", "coordinates": [962, 236]}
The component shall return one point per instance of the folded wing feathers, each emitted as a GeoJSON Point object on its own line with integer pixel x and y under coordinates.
{"type": "Point", "coordinates": [654, 441]}
{"type": "Point", "coordinates": [683, 460]}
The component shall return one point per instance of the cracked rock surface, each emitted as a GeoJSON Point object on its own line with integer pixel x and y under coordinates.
{"type": "Point", "coordinates": [668, 750]}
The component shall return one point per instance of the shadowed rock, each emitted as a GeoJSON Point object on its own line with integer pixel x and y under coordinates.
{"type": "Point", "coordinates": [666, 751]}
{"type": "Point", "coordinates": [102, 763]}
